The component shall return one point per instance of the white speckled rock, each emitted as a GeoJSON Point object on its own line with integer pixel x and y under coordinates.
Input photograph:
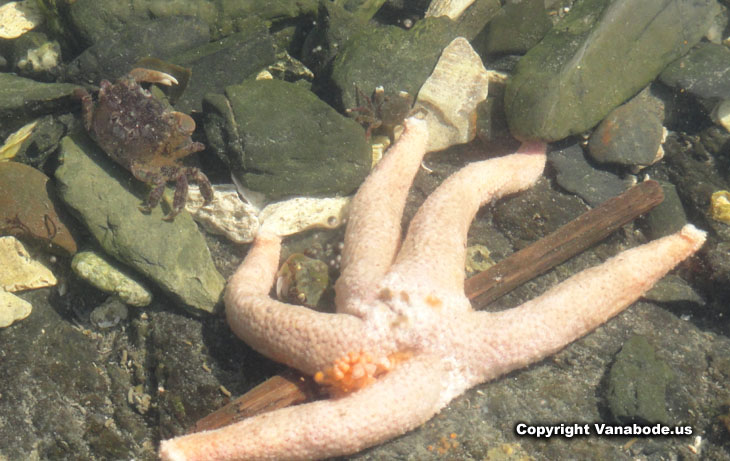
{"type": "Point", "coordinates": [105, 276]}
{"type": "Point", "coordinates": [302, 213]}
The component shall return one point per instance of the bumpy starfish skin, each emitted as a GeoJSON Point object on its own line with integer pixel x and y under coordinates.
{"type": "Point", "coordinates": [404, 305]}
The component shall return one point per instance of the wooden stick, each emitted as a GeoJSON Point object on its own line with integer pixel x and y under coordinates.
{"type": "Point", "coordinates": [569, 240]}
{"type": "Point", "coordinates": [587, 229]}
{"type": "Point", "coordinates": [279, 391]}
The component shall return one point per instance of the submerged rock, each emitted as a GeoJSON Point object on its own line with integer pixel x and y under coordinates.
{"type": "Point", "coordinates": [115, 53]}
{"type": "Point", "coordinates": [106, 199]}
{"type": "Point", "coordinates": [30, 210]}
{"type": "Point", "coordinates": [703, 72]}
{"type": "Point", "coordinates": [519, 25]}
{"type": "Point", "coordinates": [22, 99]}
{"type": "Point", "coordinates": [216, 65]}
{"type": "Point", "coordinates": [632, 134]}
{"type": "Point", "coordinates": [600, 55]}
{"type": "Point", "coordinates": [391, 57]}
{"type": "Point", "coordinates": [637, 383]}
{"type": "Point", "coordinates": [109, 314]}
{"type": "Point", "coordinates": [280, 139]}
{"type": "Point", "coordinates": [576, 175]}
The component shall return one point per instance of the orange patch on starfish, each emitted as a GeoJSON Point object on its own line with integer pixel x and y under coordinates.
{"type": "Point", "coordinates": [355, 371]}
{"type": "Point", "coordinates": [434, 301]}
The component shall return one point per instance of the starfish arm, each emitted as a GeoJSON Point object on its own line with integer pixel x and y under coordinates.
{"type": "Point", "coordinates": [374, 226]}
{"type": "Point", "coordinates": [528, 333]}
{"type": "Point", "coordinates": [294, 335]}
{"type": "Point", "coordinates": [434, 248]}
{"type": "Point", "coordinates": [398, 402]}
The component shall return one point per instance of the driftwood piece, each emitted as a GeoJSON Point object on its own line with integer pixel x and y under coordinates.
{"type": "Point", "coordinates": [579, 234]}
{"type": "Point", "coordinates": [279, 391]}
{"type": "Point", "coordinates": [587, 229]}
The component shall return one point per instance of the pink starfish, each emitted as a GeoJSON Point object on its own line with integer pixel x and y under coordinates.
{"type": "Point", "coordinates": [405, 341]}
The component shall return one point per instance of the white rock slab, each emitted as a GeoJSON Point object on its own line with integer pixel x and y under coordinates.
{"type": "Point", "coordinates": [18, 270]}
{"type": "Point", "coordinates": [12, 308]}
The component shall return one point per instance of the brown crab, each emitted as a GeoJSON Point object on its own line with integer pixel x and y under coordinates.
{"type": "Point", "coordinates": [144, 136]}
{"type": "Point", "coordinates": [381, 110]}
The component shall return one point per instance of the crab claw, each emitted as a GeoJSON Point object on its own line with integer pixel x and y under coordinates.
{"type": "Point", "coordinates": [141, 74]}
{"type": "Point", "coordinates": [185, 123]}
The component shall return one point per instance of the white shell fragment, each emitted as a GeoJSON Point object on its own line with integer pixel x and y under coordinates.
{"type": "Point", "coordinates": [450, 8]}
{"type": "Point", "coordinates": [239, 221]}
{"type": "Point", "coordinates": [450, 95]}
{"type": "Point", "coordinates": [13, 142]}
{"type": "Point", "coordinates": [721, 115]}
{"type": "Point", "coordinates": [17, 18]}
{"type": "Point", "coordinates": [12, 308]}
{"type": "Point", "coordinates": [302, 213]}
{"type": "Point", "coordinates": [226, 215]}
{"type": "Point", "coordinates": [19, 270]}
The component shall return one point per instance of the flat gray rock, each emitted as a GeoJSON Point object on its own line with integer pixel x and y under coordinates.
{"type": "Point", "coordinates": [106, 199]}
{"type": "Point", "coordinates": [703, 72]}
{"type": "Point", "coordinates": [576, 175]}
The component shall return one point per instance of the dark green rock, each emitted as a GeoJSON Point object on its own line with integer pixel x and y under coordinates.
{"type": "Point", "coordinates": [703, 72]}
{"type": "Point", "coordinates": [667, 217]}
{"type": "Point", "coordinates": [286, 141]}
{"type": "Point", "coordinates": [116, 53]}
{"type": "Point", "coordinates": [597, 57]}
{"type": "Point", "coordinates": [92, 20]}
{"type": "Point", "coordinates": [362, 9]}
{"type": "Point", "coordinates": [334, 26]}
{"type": "Point", "coordinates": [518, 26]}
{"type": "Point", "coordinates": [106, 199]}
{"type": "Point", "coordinates": [21, 99]}
{"type": "Point", "coordinates": [225, 62]}
{"type": "Point", "coordinates": [397, 59]}
{"type": "Point", "coordinates": [637, 383]}
{"type": "Point", "coordinates": [474, 19]}
{"type": "Point", "coordinates": [41, 145]}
